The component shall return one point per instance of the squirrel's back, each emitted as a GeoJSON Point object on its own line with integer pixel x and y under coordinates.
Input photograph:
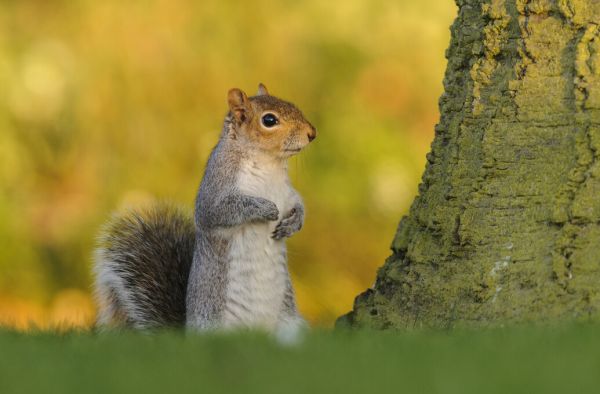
{"type": "Point", "coordinates": [142, 266]}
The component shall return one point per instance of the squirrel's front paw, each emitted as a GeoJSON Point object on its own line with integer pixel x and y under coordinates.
{"type": "Point", "coordinates": [289, 224]}
{"type": "Point", "coordinates": [268, 209]}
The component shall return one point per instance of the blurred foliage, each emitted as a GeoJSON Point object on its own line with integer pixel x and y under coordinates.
{"type": "Point", "coordinates": [108, 104]}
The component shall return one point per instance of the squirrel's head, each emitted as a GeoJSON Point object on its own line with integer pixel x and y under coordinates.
{"type": "Point", "coordinates": [270, 124]}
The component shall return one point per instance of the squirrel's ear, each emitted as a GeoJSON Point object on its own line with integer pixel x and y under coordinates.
{"type": "Point", "coordinates": [238, 104]}
{"type": "Point", "coordinates": [262, 90]}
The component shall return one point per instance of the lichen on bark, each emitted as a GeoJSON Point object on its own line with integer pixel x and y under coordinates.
{"type": "Point", "coordinates": [506, 227]}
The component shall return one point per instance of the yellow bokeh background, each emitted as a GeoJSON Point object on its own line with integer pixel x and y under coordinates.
{"type": "Point", "coordinates": [106, 104]}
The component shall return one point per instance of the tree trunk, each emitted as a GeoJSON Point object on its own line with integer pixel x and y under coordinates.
{"type": "Point", "coordinates": [506, 227]}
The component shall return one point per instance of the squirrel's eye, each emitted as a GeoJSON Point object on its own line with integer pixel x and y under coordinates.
{"type": "Point", "coordinates": [269, 120]}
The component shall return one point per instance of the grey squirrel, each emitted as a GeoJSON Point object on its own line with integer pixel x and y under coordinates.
{"type": "Point", "coordinates": [227, 266]}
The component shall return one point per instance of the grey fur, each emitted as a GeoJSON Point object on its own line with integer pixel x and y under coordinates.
{"type": "Point", "coordinates": [158, 267]}
{"type": "Point", "coordinates": [290, 224]}
{"type": "Point", "coordinates": [218, 203]}
{"type": "Point", "coordinates": [141, 267]}
{"type": "Point", "coordinates": [289, 301]}
{"type": "Point", "coordinates": [220, 206]}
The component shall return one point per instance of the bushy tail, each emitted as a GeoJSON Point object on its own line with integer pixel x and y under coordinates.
{"type": "Point", "coordinates": [142, 266]}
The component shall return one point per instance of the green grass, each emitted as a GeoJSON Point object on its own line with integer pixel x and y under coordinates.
{"type": "Point", "coordinates": [515, 360]}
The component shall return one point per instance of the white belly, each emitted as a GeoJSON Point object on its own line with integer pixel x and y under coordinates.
{"type": "Point", "coordinates": [257, 278]}
{"type": "Point", "coordinates": [258, 265]}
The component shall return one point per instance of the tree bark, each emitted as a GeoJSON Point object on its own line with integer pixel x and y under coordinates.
{"type": "Point", "coordinates": [506, 227]}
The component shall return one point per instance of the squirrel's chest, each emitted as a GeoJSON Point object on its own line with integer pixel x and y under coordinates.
{"type": "Point", "coordinates": [270, 182]}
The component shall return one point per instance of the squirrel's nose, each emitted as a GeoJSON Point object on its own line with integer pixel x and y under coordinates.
{"type": "Point", "coordinates": [312, 133]}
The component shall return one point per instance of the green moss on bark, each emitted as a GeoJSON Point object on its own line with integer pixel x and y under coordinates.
{"type": "Point", "coordinates": [506, 227]}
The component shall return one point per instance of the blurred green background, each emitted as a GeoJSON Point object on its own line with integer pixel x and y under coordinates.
{"type": "Point", "coordinates": [107, 104]}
